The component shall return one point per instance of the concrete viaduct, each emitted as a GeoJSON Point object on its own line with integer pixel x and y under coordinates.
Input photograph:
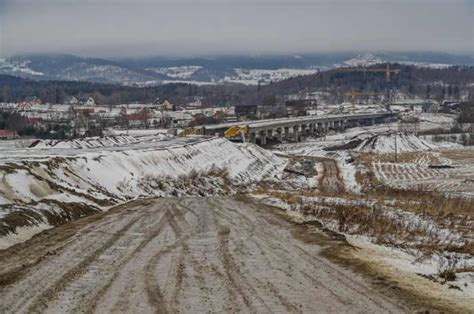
{"type": "Point", "coordinates": [293, 128]}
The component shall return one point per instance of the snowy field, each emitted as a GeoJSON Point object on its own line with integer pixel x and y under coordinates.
{"type": "Point", "coordinates": [259, 76]}
{"type": "Point", "coordinates": [415, 233]}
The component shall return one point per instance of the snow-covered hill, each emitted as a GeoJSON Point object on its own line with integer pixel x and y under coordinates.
{"type": "Point", "coordinates": [104, 73]}
{"type": "Point", "coordinates": [256, 76]}
{"type": "Point", "coordinates": [215, 70]}
{"type": "Point", "coordinates": [17, 68]}
{"type": "Point", "coordinates": [362, 60]}
{"type": "Point", "coordinates": [389, 142]}
{"type": "Point", "coordinates": [369, 59]}
{"type": "Point", "coordinates": [43, 186]}
{"type": "Point", "coordinates": [90, 142]}
{"type": "Point", "coordinates": [182, 72]}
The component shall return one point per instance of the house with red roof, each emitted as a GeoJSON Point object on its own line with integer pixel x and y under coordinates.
{"type": "Point", "coordinates": [7, 134]}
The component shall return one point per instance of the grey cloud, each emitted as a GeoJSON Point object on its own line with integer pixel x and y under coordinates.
{"type": "Point", "coordinates": [184, 27]}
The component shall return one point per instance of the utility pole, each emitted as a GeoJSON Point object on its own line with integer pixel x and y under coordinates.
{"type": "Point", "coordinates": [395, 146]}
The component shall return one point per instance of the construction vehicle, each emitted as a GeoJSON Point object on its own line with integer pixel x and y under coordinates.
{"type": "Point", "coordinates": [388, 71]}
{"type": "Point", "coordinates": [189, 131]}
{"type": "Point", "coordinates": [237, 132]}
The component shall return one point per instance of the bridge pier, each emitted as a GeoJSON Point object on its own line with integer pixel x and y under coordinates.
{"type": "Point", "coordinates": [262, 136]}
{"type": "Point", "coordinates": [279, 134]}
{"type": "Point", "coordinates": [286, 133]}
{"type": "Point", "coordinates": [270, 134]}
{"type": "Point", "coordinates": [296, 133]}
{"type": "Point", "coordinates": [331, 125]}
{"type": "Point", "coordinates": [304, 129]}
{"type": "Point", "coordinates": [252, 138]}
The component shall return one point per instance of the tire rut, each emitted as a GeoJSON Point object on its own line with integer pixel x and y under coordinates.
{"type": "Point", "coordinates": [311, 258]}
{"type": "Point", "coordinates": [153, 290]}
{"type": "Point", "coordinates": [190, 255]}
{"type": "Point", "coordinates": [274, 248]}
{"type": "Point", "coordinates": [230, 267]}
{"type": "Point", "coordinates": [40, 303]}
{"type": "Point", "coordinates": [149, 237]}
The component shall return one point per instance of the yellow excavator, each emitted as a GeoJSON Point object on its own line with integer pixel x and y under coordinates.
{"type": "Point", "coordinates": [188, 131]}
{"type": "Point", "coordinates": [237, 132]}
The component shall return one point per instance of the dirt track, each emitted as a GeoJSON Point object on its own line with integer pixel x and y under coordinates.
{"type": "Point", "coordinates": [179, 255]}
{"type": "Point", "coordinates": [331, 181]}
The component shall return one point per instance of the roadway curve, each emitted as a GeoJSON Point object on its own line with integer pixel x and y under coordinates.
{"type": "Point", "coordinates": [180, 255]}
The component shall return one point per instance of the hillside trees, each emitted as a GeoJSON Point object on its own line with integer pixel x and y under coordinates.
{"type": "Point", "coordinates": [420, 82]}
{"type": "Point", "coordinates": [467, 113]}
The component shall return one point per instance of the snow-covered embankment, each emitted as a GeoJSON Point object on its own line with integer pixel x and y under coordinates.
{"type": "Point", "coordinates": [38, 193]}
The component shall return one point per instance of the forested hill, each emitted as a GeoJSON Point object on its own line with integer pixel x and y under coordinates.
{"type": "Point", "coordinates": [14, 89]}
{"type": "Point", "coordinates": [412, 81]}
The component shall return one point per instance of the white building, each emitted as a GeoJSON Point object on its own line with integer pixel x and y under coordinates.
{"type": "Point", "coordinates": [90, 102]}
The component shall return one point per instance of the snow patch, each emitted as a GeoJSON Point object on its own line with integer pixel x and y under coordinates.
{"type": "Point", "coordinates": [182, 72]}
{"type": "Point", "coordinates": [391, 142]}
{"type": "Point", "coordinates": [259, 76]}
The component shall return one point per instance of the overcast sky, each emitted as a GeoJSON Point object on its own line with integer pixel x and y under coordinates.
{"type": "Point", "coordinates": [111, 28]}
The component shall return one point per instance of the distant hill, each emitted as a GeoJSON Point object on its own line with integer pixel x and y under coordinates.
{"type": "Point", "coordinates": [250, 70]}
{"type": "Point", "coordinates": [414, 81]}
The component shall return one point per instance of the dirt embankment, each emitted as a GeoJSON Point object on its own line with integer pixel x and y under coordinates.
{"type": "Point", "coordinates": [181, 255]}
{"type": "Point", "coordinates": [38, 193]}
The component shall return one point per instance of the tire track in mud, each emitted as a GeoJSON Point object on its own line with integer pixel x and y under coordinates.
{"type": "Point", "coordinates": [154, 293]}
{"type": "Point", "coordinates": [70, 244]}
{"type": "Point", "coordinates": [187, 252]}
{"type": "Point", "coordinates": [180, 263]}
{"type": "Point", "coordinates": [244, 282]}
{"type": "Point", "coordinates": [40, 303]}
{"type": "Point", "coordinates": [238, 283]}
{"type": "Point", "coordinates": [273, 251]}
{"type": "Point", "coordinates": [207, 223]}
{"type": "Point", "coordinates": [158, 228]}
{"type": "Point", "coordinates": [55, 240]}
{"type": "Point", "coordinates": [153, 290]}
{"type": "Point", "coordinates": [194, 255]}
{"type": "Point", "coordinates": [230, 267]}
{"type": "Point", "coordinates": [331, 180]}
{"type": "Point", "coordinates": [311, 258]}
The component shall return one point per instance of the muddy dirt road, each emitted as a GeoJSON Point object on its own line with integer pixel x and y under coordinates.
{"type": "Point", "coordinates": [331, 181]}
{"type": "Point", "coordinates": [180, 255]}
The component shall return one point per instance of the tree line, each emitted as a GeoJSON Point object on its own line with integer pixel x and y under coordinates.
{"type": "Point", "coordinates": [429, 83]}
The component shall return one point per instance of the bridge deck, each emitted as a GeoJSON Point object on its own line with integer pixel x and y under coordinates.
{"type": "Point", "coordinates": [258, 125]}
